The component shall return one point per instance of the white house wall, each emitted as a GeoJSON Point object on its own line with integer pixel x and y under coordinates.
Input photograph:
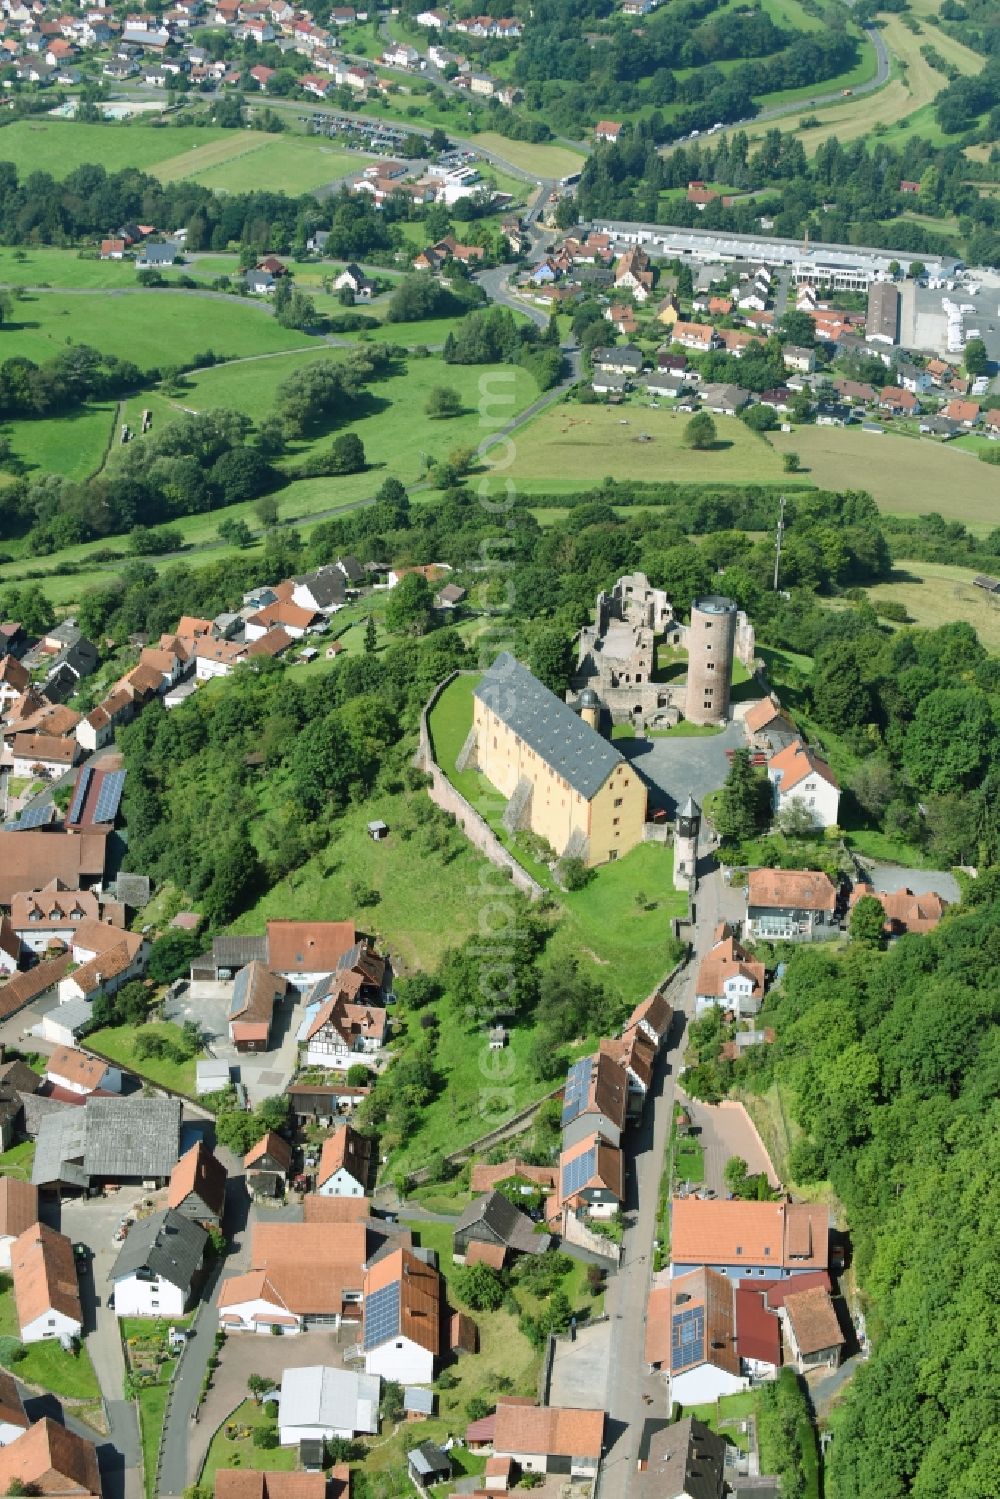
{"type": "Point", "coordinates": [135, 1297]}
{"type": "Point", "coordinates": [698, 1386]}
{"type": "Point", "coordinates": [402, 1360]}
{"type": "Point", "coordinates": [50, 1324]}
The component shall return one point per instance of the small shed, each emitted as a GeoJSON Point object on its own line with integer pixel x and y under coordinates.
{"type": "Point", "coordinates": [334, 650]}
{"type": "Point", "coordinates": [186, 921]}
{"type": "Point", "coordinates": [312, 1454]}
{"type": "Point", "coordinates": [498, 1038]}
{"type": "Point", "coordinates": [428, 1464]}
{"type": "Point", "coordinates": [210, 1075]}
{"type": "Point", "coordinates": [65, 1024]}
{"type": "Point", "coordinates": [377, 830]}
{"type": "Point", "coordinates": [418, 1403]}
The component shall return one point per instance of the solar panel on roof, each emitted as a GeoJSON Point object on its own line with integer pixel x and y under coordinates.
{"type": "Point", "coordinates": [577, 1089]}
{"type": "Point", "coordinates": [687, 1338]}
{"type": "Point", "coordinates": [36, 817]}
{"type": "Point", "coordinates": [578, 1172]}
{"type": "Point", "coordinates": [79, 795]}
{"type": "Point", "coordinates": [382, 1315]}
{"type": "Point", "coordinates": [109, 796]}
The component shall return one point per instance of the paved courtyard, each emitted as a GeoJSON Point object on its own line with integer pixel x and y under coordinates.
{"type": "Point", "coordinates": [207, 1004]}
{"type": "Point", "coordinates": [580, 1369]}
{"type": "Point", "coordinates": [724, 1132]}
{"type": "Point", "coordinates": [679, 764]}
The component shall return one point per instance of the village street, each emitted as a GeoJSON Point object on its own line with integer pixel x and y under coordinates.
{"type": "Point", "coordinates": [634, 1395]}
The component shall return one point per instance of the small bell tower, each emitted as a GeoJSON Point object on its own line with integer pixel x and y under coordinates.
{"type": "Point", "coordinates": [686, 830]}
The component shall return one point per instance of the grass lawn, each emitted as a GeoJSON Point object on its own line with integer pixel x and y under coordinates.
{"type": "Point", "coordinates": [18, 1160]}
{"type": "Point", "coordinates": [237, 1451]}
{"type": "Point", "coordinates": [538, 160]}
{"type": "Point", "coordinates": [568, 443]}
{"type": "Point", "coordinates": [424, 906]}
{"type": "Point", "coordinates": [117, 1043]}
{"type": "Point", "coordinates": [44, 144]}
{"type": "Point", "coordinates": [247, 161]}
{"type": "Point", "coordinates": [686, 730]}
{"type": "Point", "coordinates": [689, 1161]}
{"type": "Point", "coordinates": [934, 593]}
{"type": "Point", "coordinates": [606, 921]}
{"type": "Point", "coordinates": [398, 447]}
{"type": "Point", "coordinates": [910, 91]}
{"type": "Point", "coordinates": [904, 476]}
{"type": "Point", "coordinates": [45, 1364]}
{"type": "Point", "coordinates": [146, 325]}
{"type": "Point", "coordinates": [73, 444]}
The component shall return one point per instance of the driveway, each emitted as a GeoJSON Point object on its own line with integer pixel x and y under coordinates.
{"type": "Point", "coordinates": [723, 1132]}
{"type": "Point", "coordinates": [679, 764]}
{"type": "Point", "coordinates": [890, 877]}
{"type": "Point", "coordinates": [580, 1369]}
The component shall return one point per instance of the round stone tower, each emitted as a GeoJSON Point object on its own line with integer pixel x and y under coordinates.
{"type": "Point", "coordinates": [711, 637]}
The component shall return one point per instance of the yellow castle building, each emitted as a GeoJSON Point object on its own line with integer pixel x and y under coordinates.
{"type": "Point", "coordinates": [560, 777]}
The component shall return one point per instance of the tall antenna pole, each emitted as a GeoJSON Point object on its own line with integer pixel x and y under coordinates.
{"type": "Point", "coordinates": [777, 542]}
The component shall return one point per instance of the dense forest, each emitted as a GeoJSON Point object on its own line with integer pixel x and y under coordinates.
{"type": "Point", "coordinates": [892, 1063]}
{"type": "Point", "coordinates": [842, 195]}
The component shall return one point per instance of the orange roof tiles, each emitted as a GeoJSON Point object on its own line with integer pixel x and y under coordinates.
{"type": "Point", "coordinates": [18, 1206]}
{"type": "Point", "coordinates": [272, 1145]}
{"type": "Point", "coordinates": [480, 1253]}
{"type": "Point", "coordinates": [76, 1067]}
{"type": "Point", "coordinates": [551, 1430]}
{"type": "Point", "coordinates": [24, 987]}
{"type": "Point", "coordinates": [306, 946]}
{"type": "Point", "coordinates": [485, 1177]}
{"type": "Point", "coordinates": [803, 889]}
{"type": "Point", "coordinates": [759, 715]}
{"type": "Point", "coordinates": [44, 1275]}
{"type": "Point", "coordinates": [201, 1174]}
{"type": "Point", "coordinates": [48, 1459]}
{"type": "Point", "coordinates": [795, 762]}
{"type": "Point", "coordinates": [345, 1150]}
{"type": "Point", "coordinates": [241, 1483]}
{"type": "Point", "coordinates": [29, 860]}
{"type": "Point", "coordinates": [304, 1267]}
{"type": "Point", "coordinates": [318, 1209]}
{"type": "Point", "coordinates": [813, 1319]}
{"type": "Point", "coordinates": [788, 1235]}
{"type": "Point", "coordinates": [724, 961]}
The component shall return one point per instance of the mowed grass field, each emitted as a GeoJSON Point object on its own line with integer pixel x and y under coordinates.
{"type": "Point", "coordinates": [153, 328]}
{"type": "Point", "coordinates": [250, 160]}
{"type": "Point", "coordinates": [936, 593]}
{"type": "Point", "coordinates": [540, 161]}
{"type": "Point", "coordinates": [568, 444]}
{"type": "Point", "coordinates": [73, 445]}
{"type": "Point", "coordinates": [226, 160]}
{"type": "Point", "coordinates": [60, 146]}
{"type": "Point", "coordinates": [906, 475]}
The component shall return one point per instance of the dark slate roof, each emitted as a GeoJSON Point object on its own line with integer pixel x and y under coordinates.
{"type": "Point", "coordinates": [549, 727]}
{"type": "Point", "coordinates": [511, 1226]}
{"type": "Point", "coordinates": [327, 585]}
{"type": "Point", "coordinates": [166, 1244]}
{"type": "Point", "coordinates": [352, 569]}
{"type": "Point", "coordinates": [236, 952]}
{"type": "Point", "coordinates": [683, 1458]}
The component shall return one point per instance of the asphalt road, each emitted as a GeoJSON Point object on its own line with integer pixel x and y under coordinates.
{"type": "Point", "coordinates": [634, 1395]}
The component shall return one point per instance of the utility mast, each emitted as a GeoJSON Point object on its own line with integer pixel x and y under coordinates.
{"type": "Point", "coordinates": [777, 541]}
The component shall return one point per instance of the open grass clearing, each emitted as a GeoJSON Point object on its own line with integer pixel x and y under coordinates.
{"type": "Point", "coordinates": [45, 144]}
{"type": "Point", "coordinates": [251, 161]}
{"type": "Point", "coordinates": [151, 327]}
{"type": "Point", "coordinates": [73, 444]}
{"type": "Point", "coordinates": [935, 593]}
{"type": "Point", "coordinates": [539, 160]}
{"type": "Point", "coordinates": [905, 476]}
{"type": "Point", "coordinates": [424, 905]}
{"type": "Point", "coordinates": [567, 444]}
{"type": "Point", "coordinates": [18, 1160]}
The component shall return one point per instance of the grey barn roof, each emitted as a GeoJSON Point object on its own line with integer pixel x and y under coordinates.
{"type": "Point", "coordinates": [512, 1227]}
{"type": "Point", "coordinates": [166, 1244]}
{"type": "Point", "coordinates": [109, 1137]}
{"type": "Point", "coordinates": [549, 727]}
